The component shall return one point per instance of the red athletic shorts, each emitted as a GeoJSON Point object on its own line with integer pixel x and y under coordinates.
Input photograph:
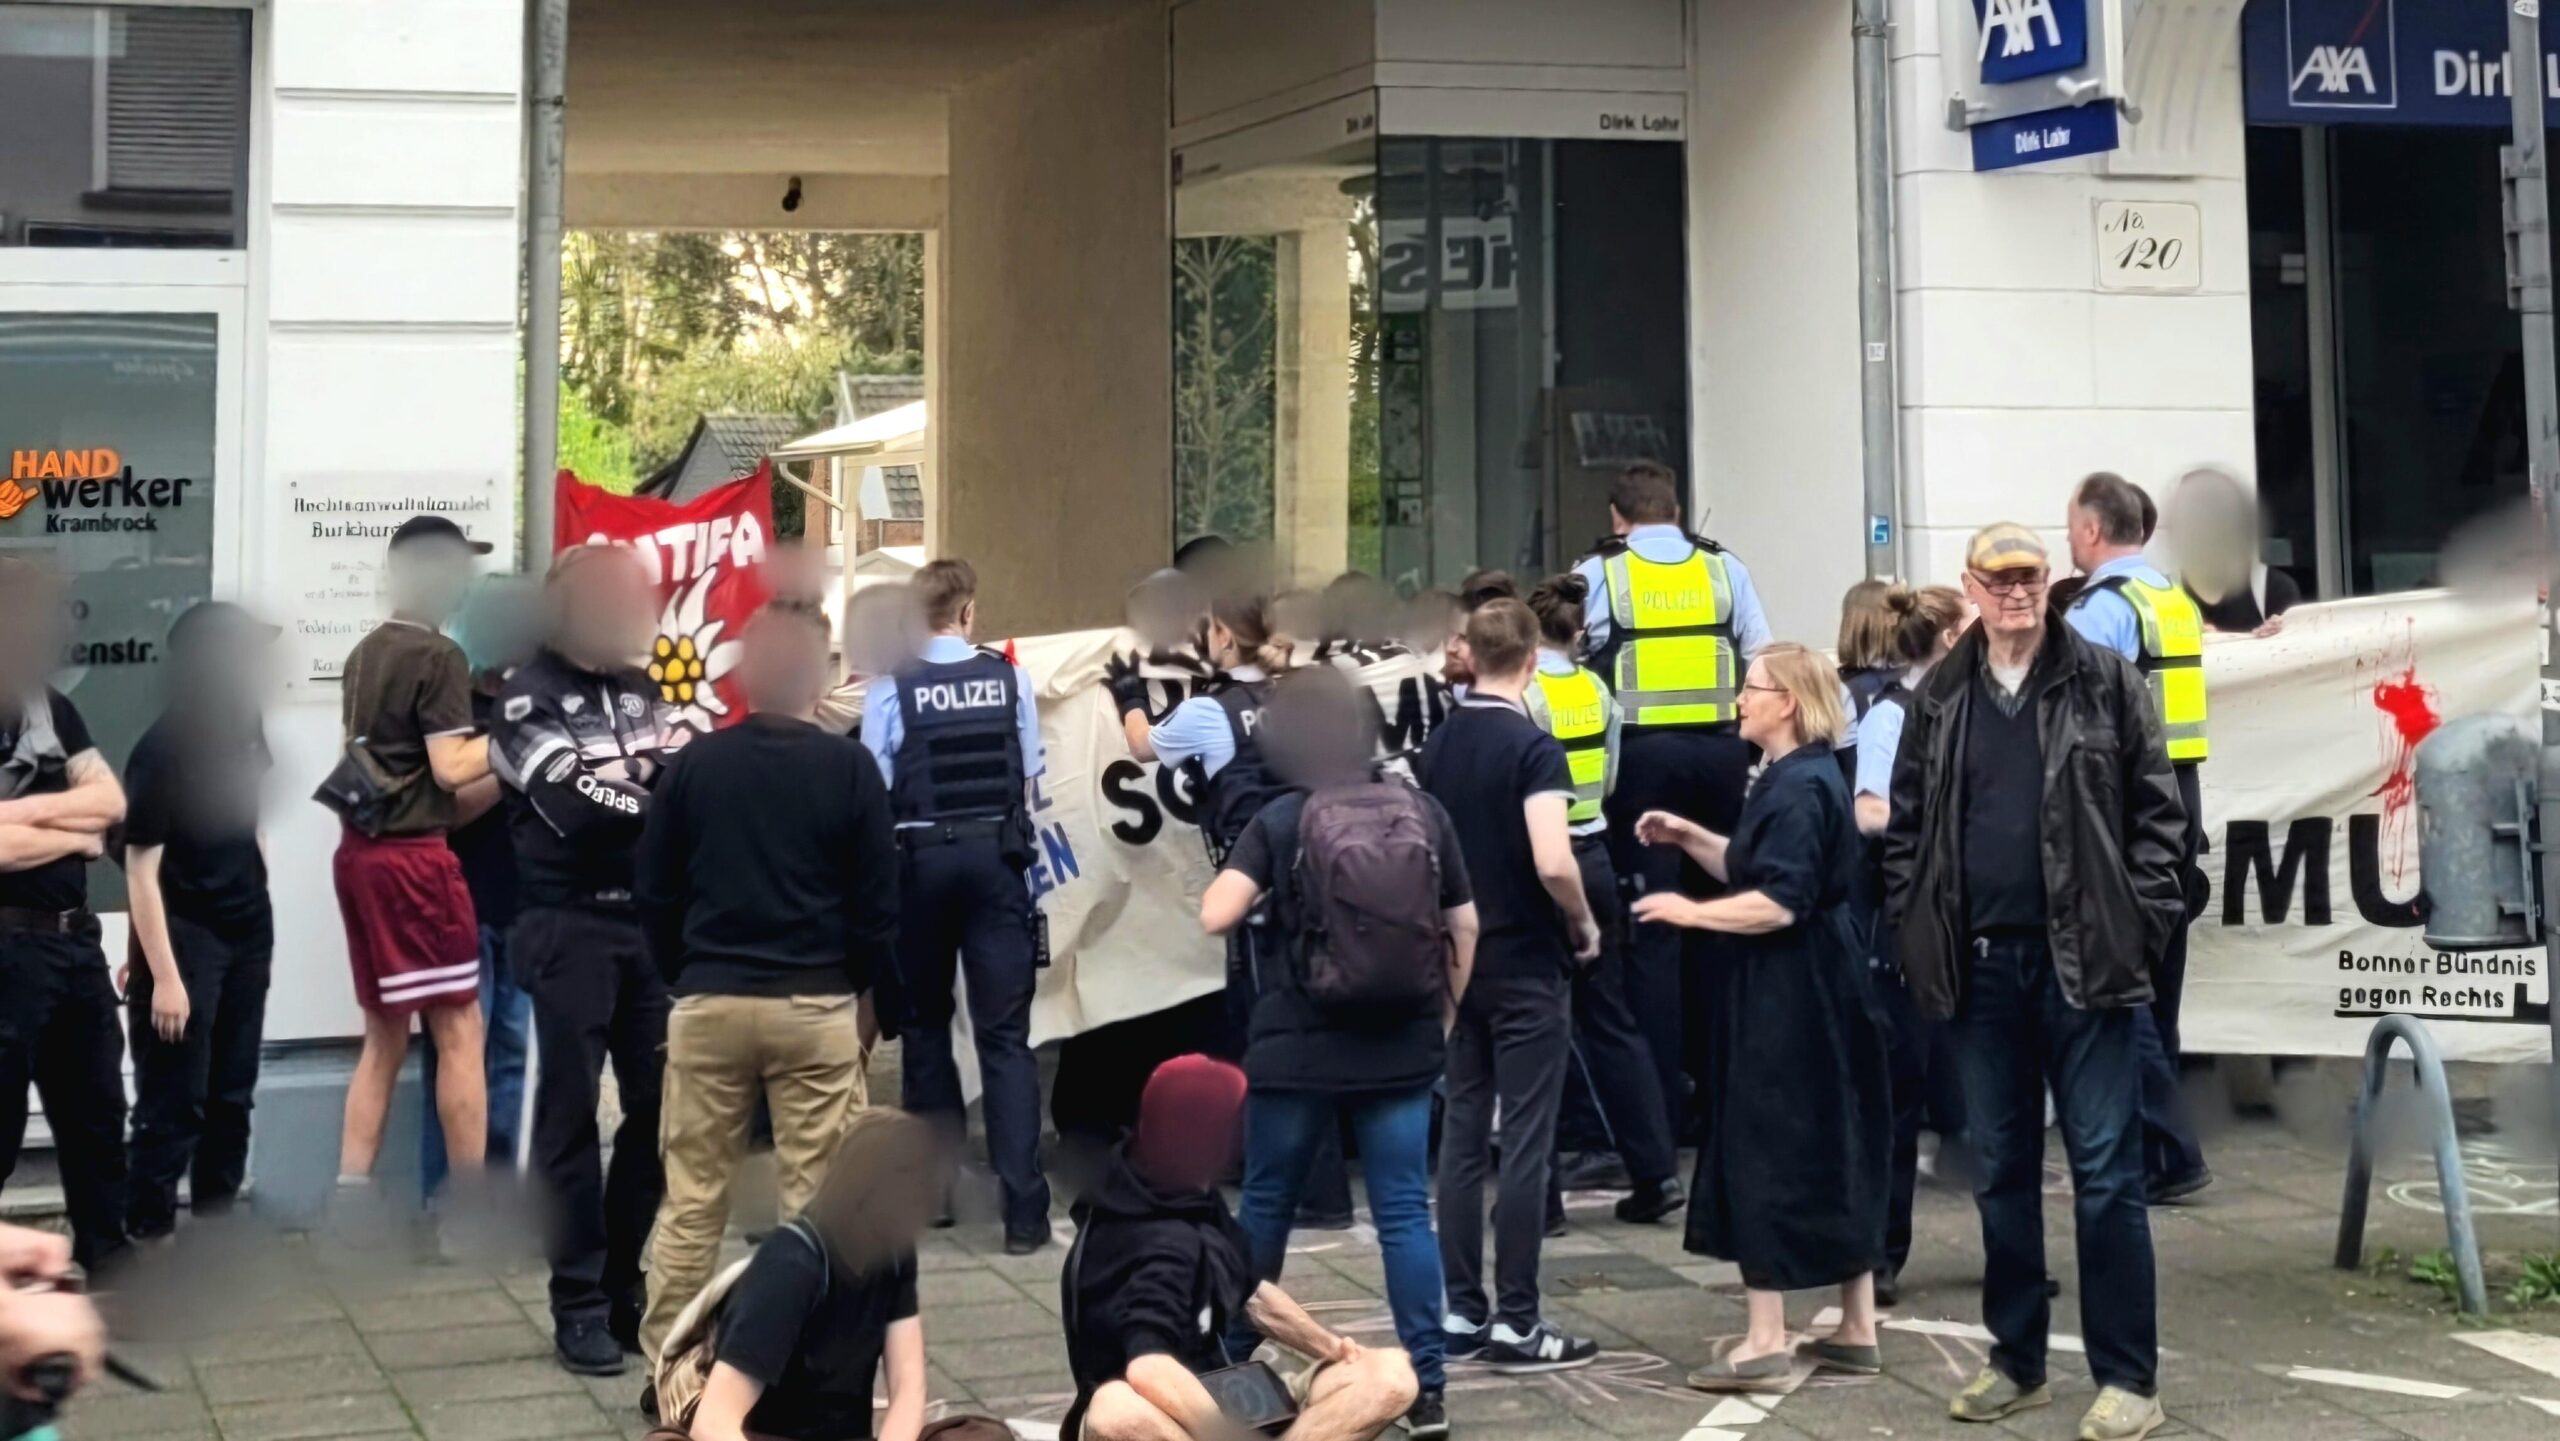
{"type": "Point", "coordinates": [412, 940]}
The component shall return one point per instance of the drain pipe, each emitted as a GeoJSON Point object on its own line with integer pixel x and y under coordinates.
{"type": "Point", "coordinates": [1879, 406]}
{"type": "Point", "coordinates": [546, 143]}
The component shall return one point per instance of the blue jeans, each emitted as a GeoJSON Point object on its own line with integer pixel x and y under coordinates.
{"type": "Point", "coordinates": [506, 1017]}
{"type": "Point", "coordinates": [2015, 1033]}
{"type": "Point", "coordinates": [1281, 1132]}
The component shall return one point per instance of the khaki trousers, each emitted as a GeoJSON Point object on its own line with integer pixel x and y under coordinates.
{"type": "Point", "coordinates": [803, 1055]}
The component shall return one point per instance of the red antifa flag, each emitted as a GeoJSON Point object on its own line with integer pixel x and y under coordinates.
{"type": "Point", "coordinates": [708, 558]}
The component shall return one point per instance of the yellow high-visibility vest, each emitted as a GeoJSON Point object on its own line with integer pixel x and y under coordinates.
{"type": "Point", "coordinates": [1675, 655]}
{"type": "Point", "coordinates": [2172, 660]}
{"type": "Point", "coordinates": [1578, 717]}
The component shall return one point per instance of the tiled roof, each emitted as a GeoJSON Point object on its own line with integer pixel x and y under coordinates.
{"type": "Point", "coordinates": [721, 449]}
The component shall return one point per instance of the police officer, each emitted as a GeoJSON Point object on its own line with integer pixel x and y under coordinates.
{"type": "Point", "coordinates": [580, 736]}
{"type": "Point", "coordinates": [1612, 1062]}
{"type": "Point", "coordinates": [957, 735]}
{"type": "Point", "coordinates": [2128, 606]}
{"type": "Point", "coordinates": [1672, 623]}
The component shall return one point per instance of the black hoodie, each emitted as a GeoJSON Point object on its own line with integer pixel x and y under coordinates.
{"type": "Point", "coordinates": [1152, 1272]}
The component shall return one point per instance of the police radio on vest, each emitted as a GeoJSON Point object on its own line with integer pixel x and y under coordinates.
{"type": "Point", "coordinates": [963, 695]}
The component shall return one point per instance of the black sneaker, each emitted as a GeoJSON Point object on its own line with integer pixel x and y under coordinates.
{"type": "Point", "coordinates": [1652, 1202]}
{"type": "Point", "coordinates": [1593, 1171]}
{"type": "Point", "coordinates": [1024, 1241]}
{"type": "Point", "coordinates": [649, 1400]}
{"type": "Point", "coordinates": [1428, 1418]}
{"type": "Point", "coordinates": [1888, 1288]}
{"type": "Point", "coordinates": [1464, 1342]}
{"type": "Point", "coordinates": [2180, 1188]}
{"type": "Point", "coordinates": [586, 1348]}
{"type": "Point", "coordinates": [1544, 1349]}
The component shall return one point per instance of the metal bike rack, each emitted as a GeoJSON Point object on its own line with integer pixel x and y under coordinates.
{"type": "Point", "coordinates": [2459, 1234]}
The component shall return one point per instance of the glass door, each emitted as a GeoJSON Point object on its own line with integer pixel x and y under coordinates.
{"type": "Point", "coordinates": [120, 413]}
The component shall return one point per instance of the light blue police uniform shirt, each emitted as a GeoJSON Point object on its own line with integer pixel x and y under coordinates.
{"type": "Point", "coordinates": [884, 723]}
{"type": "Point", "coordinates": [2105, 618]}
{"type": "Point", "coordinates": [1666, 545]}
{"type": "Point", "coordinates": [1198, 731]}
{"type": "Point", "coordinates": [1879, 741]}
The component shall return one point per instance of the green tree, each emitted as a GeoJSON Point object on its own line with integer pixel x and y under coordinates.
{"type": "Point", "coordinates": [596, 450]}
{"type": "Point", "coordinates": [1225, 361]}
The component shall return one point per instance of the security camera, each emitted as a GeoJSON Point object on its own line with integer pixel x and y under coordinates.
{"type": "Point", "coordinates": [791, 195]}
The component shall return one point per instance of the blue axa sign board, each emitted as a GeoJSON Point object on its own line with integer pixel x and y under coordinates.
{"type": "Point", "coordinates": [2022, 39]}
{"type": "Point", "coordinates": [2382, 62]}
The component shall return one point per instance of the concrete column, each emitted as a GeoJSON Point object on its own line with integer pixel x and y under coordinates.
{"type": "Point", "coordinates": [1311, 434]}
{"type": "Point", "coordinates": [1773, 304]}
{"type": "Point", "coordinates": [1054, 409]}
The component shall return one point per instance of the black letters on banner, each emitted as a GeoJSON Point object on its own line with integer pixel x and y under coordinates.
{"type": "Point", "coordinates": [2306, 860]}
{"type": "Point", "coordinates": [2364, 875]}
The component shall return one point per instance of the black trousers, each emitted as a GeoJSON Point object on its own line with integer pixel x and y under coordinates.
{"type": "Point", "coordinates": [192, 1096]}
{"type": "Point", "coordinates": [597, 998]}
{"type": "Point", "coordinates": [58, 1030]}
{"type": "Point", "coordinates": [2170, 1151]}
{"type": "Point", "coordinates": [1508, 1049]}
{"type": "Point", "coordinates": [964, 909]}
{"type": "Point", "coordinates": [1699, 774]}
{"type": "Point", "coordinates": [1612, 1063]}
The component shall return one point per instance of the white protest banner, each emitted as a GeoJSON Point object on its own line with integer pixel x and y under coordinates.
{"type": "Point", "coordinates": [1121, 863]}
{"type": "Point", "coordinates": [2310, 931]}
{"type": "Point", "coordinates": [2313, 926]}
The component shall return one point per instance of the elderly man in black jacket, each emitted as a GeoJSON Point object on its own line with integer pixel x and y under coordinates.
{"type": "Point", "coordinates": [2031, 876]}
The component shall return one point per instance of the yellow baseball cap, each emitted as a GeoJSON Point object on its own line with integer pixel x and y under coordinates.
{"type": "Point", "coordinates": [2005, 546]}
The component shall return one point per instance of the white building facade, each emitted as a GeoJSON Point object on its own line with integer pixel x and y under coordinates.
{"type": "Point", "coordinates": [1388, 284]}
{"type": "Point", "coordinates": [265, 253]}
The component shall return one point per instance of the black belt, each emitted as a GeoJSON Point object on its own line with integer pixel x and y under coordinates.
{"type": "Point", "coordinates": [613, 901]}
{"type": "Point", "coordinates": [944, 833]}
{"type": "Point", "coordinates": [73, 922]}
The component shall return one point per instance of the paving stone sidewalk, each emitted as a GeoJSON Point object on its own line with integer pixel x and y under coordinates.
{"type": "Point", "coordinates": [314, 1337]}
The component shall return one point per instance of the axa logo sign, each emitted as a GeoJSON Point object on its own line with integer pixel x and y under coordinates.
{"type": "Point", "coordinates": [2023, 39]}
{"type": "Point", "coordinates": [2342, 54]}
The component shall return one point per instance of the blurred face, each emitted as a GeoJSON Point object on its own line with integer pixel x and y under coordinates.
{"type": "Point", "coordinates": [608, 612]}
{"type": "Point", "coordinates": [233, 666]}
{"type": "Point", "coordinates": [784, 665]}
{"type": "Point", "coordinates": [32, 640]}
{"type": "Point", "coordinates": [2010, 602]}
{"type": "Point", "coordinates": [429, 578]}
{"type": "Point", "coordinates": [1768, 711]}
{"type": "Point", "coordinates": [882, 633]}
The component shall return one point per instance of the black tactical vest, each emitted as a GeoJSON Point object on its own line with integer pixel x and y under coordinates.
{"type": "Point", "coordinates": [960, 757]}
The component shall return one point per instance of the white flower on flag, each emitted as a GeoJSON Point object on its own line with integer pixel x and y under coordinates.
{"type": "Point", "coordinates": [689, 658]}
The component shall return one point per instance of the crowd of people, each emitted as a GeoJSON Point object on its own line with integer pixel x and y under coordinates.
{"type": "Point", "coordinates": [1655, 878]}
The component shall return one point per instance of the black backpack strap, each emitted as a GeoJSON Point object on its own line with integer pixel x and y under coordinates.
{"type": "Point", "coordinates": [799, 1226]}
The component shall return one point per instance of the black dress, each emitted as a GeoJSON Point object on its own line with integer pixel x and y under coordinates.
{"type": "Point", "coordinates": [1793, 1177]}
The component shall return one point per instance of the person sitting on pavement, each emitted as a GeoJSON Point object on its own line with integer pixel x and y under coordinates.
{"type": "Point", "coordinates": [1158, 1271]}
{"type": "Point", "coordinates": [799, 1338]}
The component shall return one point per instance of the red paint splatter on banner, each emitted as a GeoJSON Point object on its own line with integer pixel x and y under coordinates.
{"type": "Point", "coordinates": [2408, 704]}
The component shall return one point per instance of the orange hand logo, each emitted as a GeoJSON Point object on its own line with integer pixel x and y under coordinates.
{"type": "Point", "coordinates": [13, 498]}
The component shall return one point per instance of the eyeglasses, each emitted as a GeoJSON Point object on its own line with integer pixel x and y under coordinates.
{"type": "Point", "coordinates": [1772, 689]}
{"type": "Point", "coordinates": [2009, 585]}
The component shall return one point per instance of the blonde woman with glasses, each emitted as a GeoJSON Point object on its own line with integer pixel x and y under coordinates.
{"type": "Point", "coordinates": [1791, 1181]}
